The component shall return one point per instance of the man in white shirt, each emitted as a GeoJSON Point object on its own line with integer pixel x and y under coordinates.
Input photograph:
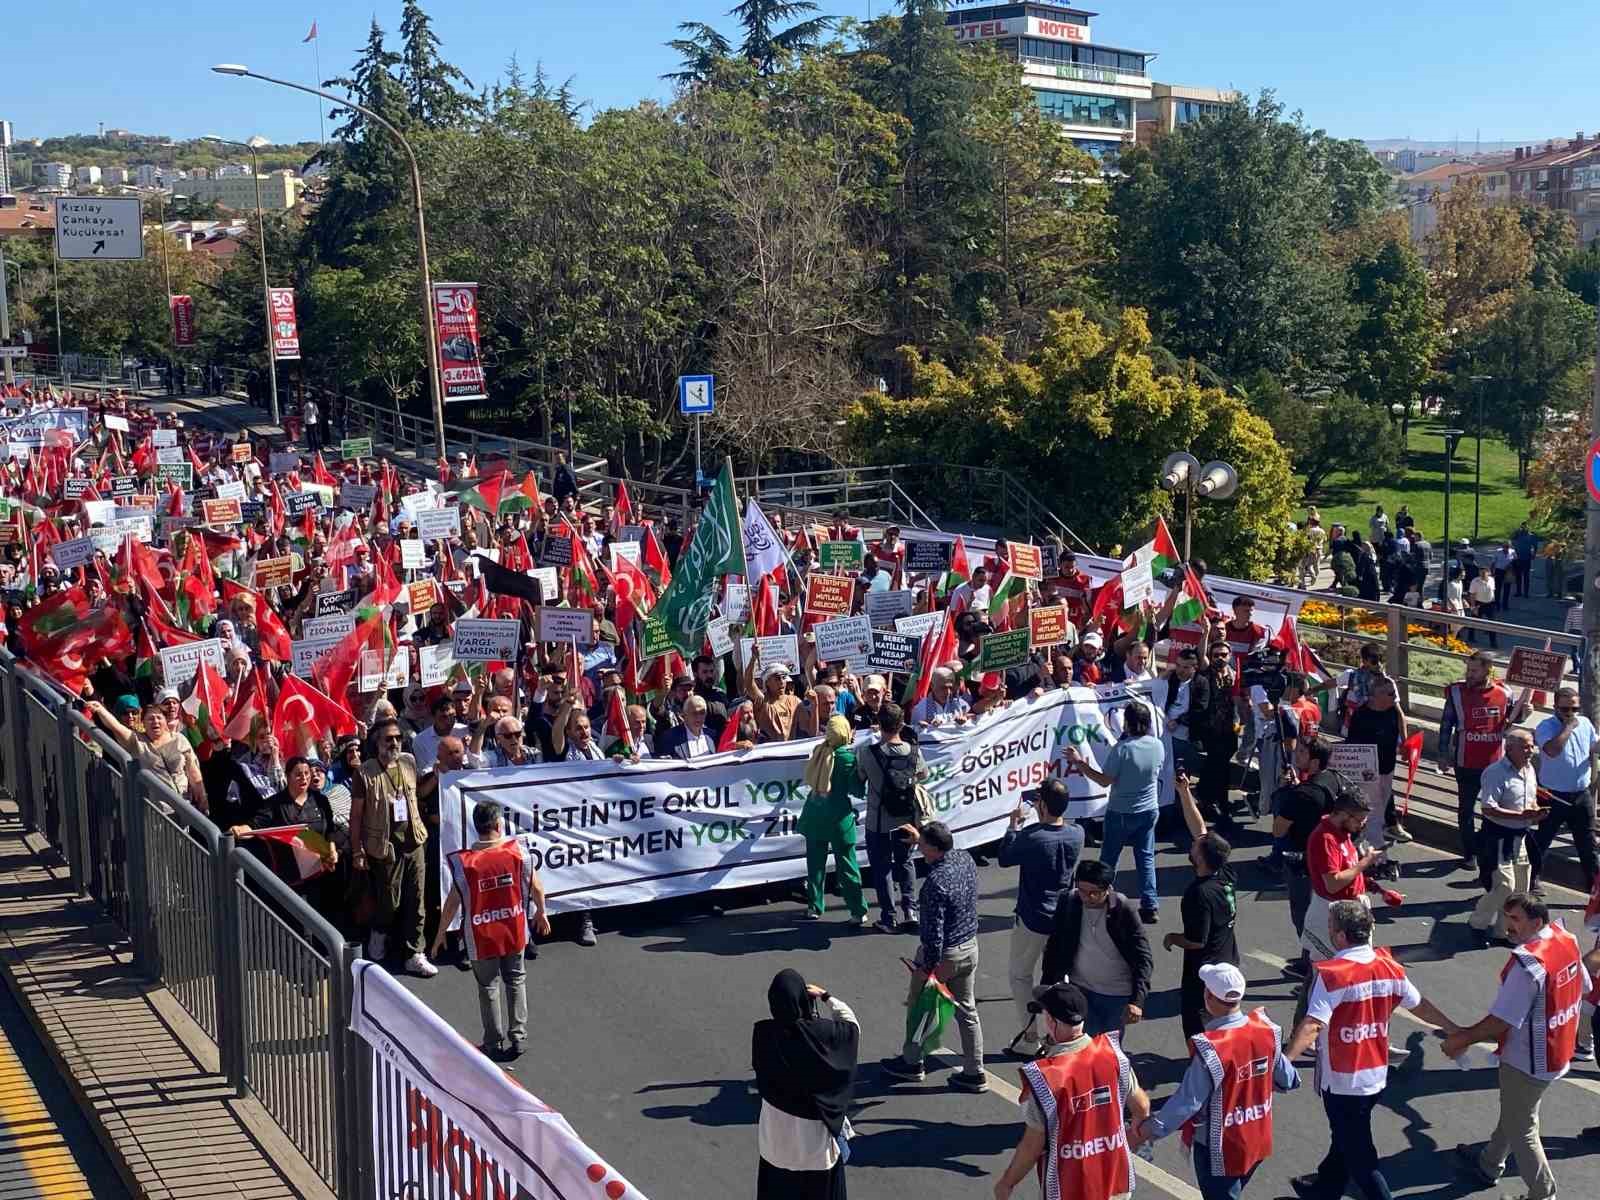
{"type": "Point", "coordinates": [691, 739]}
{"type": "Point", "coordinates": [1509, 799]}
{"type": "Point", "coordinates": [1482, 593]}
{"type": "Point", "coordinates": [944, 704]}
{"type": "Point", "coordinates": [425, 745]}
{"type": "Point", "coordinates": [973, 595]}
{"type": "Point", "coordinates": [1567, 745]}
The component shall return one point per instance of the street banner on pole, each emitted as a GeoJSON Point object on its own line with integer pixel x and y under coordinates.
{"type": "Point", "coordinates": [455, 317]}
{"type": "Point", "coordinates": [182, 320]}
{"type": "Point", "coordinates": [285, 325]}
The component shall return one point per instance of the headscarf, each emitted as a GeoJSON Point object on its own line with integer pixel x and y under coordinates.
{"type": "Point", "coordinates": [805, 1065]}
{"type": "Point", "coordinates": [819, 768]}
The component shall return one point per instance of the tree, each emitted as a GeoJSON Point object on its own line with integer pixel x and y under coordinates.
{"type": "Point", "coordinates": [764, 43]}
{"type": "Point", "coordinates": [1397, 334]}
{"type": "Point", "coordinates": [1479, 256]}
{"type": "Point", "coordinates": [1361, 188]}
{"type": "Point", "coordinates": [1556, 486]}
{"type": "Point", "coordinates": [1088, 421]}
{"type": "Point", "coordinates": [366, 330]}
{"type": "Point", "coordinates": [1220, 233]}
{"type": "Point", "coordinates": [1553, 236]}
{"type": "Point", "coordinates": [433, 98]}
{"type": "Point", "coordinates": [1580, 273]}
{"type": "Point", "coordinates": [701, 49]}
{"type": "Point", "coordinates": [1536, 355]}
{"type": "Point", "coordinates": [1341, 433]}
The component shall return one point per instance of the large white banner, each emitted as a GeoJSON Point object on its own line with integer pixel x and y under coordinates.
{"type": "Point", "coordinates": [448, 1122]}
{"type": "Point", "coordinates": [610, 833]}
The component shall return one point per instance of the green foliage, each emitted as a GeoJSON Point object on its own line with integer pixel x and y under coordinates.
{"type": "Point", "coordinates": [433, 98]}
{"type": "Point", "coordinates": [1220, 236]}
{"type": "Point", "coordinates": [1397, 336]}
{"type": "Point", "coordinates": [1088, 421]}
{"type": "Point", "coordinates": [1580, 273]}
{"type": "Point", "coordinates": [1360, 187]}
{"type": "Point", "coordinates": [1337, 433]}
{"type": "Point", "coordinates": [1553, 236]}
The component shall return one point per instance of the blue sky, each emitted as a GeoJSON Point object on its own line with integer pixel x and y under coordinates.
{"type": "Point", "coordinates": [1428, 69]}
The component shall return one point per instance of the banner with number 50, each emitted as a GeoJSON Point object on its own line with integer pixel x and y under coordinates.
{"type": "Point", "coordinates": [455, 317]}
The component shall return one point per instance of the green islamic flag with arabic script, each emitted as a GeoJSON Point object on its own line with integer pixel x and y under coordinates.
{"type": "Point", "coordinates": [717, 549]}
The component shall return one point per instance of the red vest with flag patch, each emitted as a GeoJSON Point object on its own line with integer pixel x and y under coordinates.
{"type": "Point", "coordinates": [1354, 1053]}
{"type": "Point", "coordinates": [493, 884]}
{"type": "Point", "coordinates": [1239, 1113]}
{"type": "Point", "coordinates": [1481, 715]}
{"type": "Point", "coordinates": [1075, 590]}
{"type": "Point", "coordinates": [1556, 965]}
{"type": "Point", "coordinates": [1083, 1096]}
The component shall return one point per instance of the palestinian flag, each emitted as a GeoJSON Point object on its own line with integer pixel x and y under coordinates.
{"type": "Point", "coordinates": [938, 647]}
{"type": "Point", "coordinates": [297, 853]}
{"type": "Point", "coordinates": [206, 706]}
{"type": "Point", "coordinates": [1166, 550]}
{"type": "Point", "coordinates": [1010, 590]}
{"type": "Point", "coordinates": [249, 707]}
{"type": "Point", "coordinates": [730, 731]}
{"type": "Point", "coordinates": [498, 495]}
{"type": "Point", "coordinates": [960, 571]}
{"type": "Point", "coordinates": [1193, 601]}
{"type": "Point", "coordinates": [616, 733]}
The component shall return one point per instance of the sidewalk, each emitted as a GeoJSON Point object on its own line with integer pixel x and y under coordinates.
{"type": "Point", "coordinates": [141, 1071]}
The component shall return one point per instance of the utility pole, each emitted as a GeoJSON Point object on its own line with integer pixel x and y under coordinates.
{"type": "Point", "coordinates": [5, 317]}
{"type": "Point", "coordinates": [1591, 575]}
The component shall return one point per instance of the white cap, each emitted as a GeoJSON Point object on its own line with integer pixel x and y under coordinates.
{"type": "Point", "coordinates": [1224, 981]}
{"type": "Point", "coordinates": [1093, 638]}
{"type": "Point", "coordinates": [775, 669]}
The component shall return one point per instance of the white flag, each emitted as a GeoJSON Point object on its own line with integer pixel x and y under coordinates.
{"type": "Point", "coordinates": [763, 548]}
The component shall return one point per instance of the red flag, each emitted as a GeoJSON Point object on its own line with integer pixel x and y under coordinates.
{"type": "Point", "coordinates": [310, 37]}
{"type": "Point", "coordinates": [275, 643]}
{"type": "Point", "coordinates": [939, 646]}
{"type": "Point", "coordinates": [249, 707]}
{"type": "Point", "coordinates": [622, 510]}
{"type": "Point", "coordinates": [656, 558]}
{"type": "Point", "coordinates": [1412, 749]}
{"type": "Point", "coordinates": [302, 707]}
{"type": "Point", "coordinates": [730, 731]}
{"type": "Point", "coordinates": [764, 608]}
{"type": "Point", "coordinates": [1108, 604]}
{"type": "Point", "coordinates": [339, 665]}
{"type": "Point", "coordinates": [617, 720]}
{"type": "Point", "coordinates": [320, 472]}
{"type": "Point", "coordinates": [636, 595]}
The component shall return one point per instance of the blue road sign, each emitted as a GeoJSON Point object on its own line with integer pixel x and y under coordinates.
{"type": "Point", "coordinates": [697, 395]}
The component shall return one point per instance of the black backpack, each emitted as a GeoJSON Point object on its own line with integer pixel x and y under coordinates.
{"type": "Point", "coordinates": [898, 796]}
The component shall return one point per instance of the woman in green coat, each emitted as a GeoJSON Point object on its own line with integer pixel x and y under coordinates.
{"type": "Point", "coordinates": [828, 821]}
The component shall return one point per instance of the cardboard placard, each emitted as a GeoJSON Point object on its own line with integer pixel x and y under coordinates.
{"type": "Point", "coordinates": [556, 552]}
{"type": "Point", "coordinates": [305, 653]}
{"type": "Point", "coordinates": [918, 624]}
{"type": "Point", "coordinates": [357, 497]}
{"type": "Point", "coordinates": [124, 485]}
{"type": "Point", "coordinates": [480, 639]}
{"type": "Point", "coordinates": [719, 633]}
{"type": "Point", "coordinates": [334, 625]}
{"type": "Point", "coordinates": [845, 640]}
{"type": "Point", "coordinates": [329, 603]}
{"type": "Point", "coordinates": [180, 473]}
{"type": "Point", "coordinates": [355, 448]}
{"type": "Point", "coordinates": [566, 625]}
{"type": "Point", "coordinates": [376, 675]}
{"type": "Point", "coordinates": [297, 504]}
{"type": "Point", "coordinates": [142, 500]}
{"type": "Point", "coordinates": [657, 639]}
{"type": "Point", "coordinates": [1024, 559]}
{"type": "Point", "coordinates": [549, 580]}
{"type": "Point", "coordinates": [630, 533]}
{"type": "Point", "coordinates": [1001, 650]}
{"type": "Point", "coordinates": [1542, 670]}
{"type": "Point", "coordinates": [99, 512]}
{"type": "Point", "coordinates": [438, 523]}
{"type": "Point", "coordinates": [625, 550]}
{"type": "Point", "coordinates": [232, 489]}
{"type": "Point", "coordinates": [736, 602]}
{"type": "Point", "coordinates": [415, 502]}
{"type": "Point", "coordinates": [420, 596]}
{"type": "Point", "coordinates": [435, 663]}
{"type": "Point", "coordinates": [926, 558]}
{"type": "Point", "coordinates": [281, 462]}
{"type": "Point", "coordinates": [167, 456]}
{"type": "Point", "coordinates": [220, 512]}
{"type": "Point", "coordinates": [160, 438]}
{"type": "Point", "coordinates": [75, 553]}
{"type": "Point", "coordinates": [1138, 584]}
{"type": "Point", "coordinates": [781, 648]}
{"type": "Point", "coordinates": [1574, 621]}
{"type": "Point", "coordinates": [179, 664]}
{"type": "Point", "coordinates": [829, 595]}
{"type": "Point", "coordinates": [1356, 762]}
{"type": "Point", "coordinates": [1048, 626]}
{"type": "Point", "coordinates": [1050, 559]}
{"type": "Point", "coordinates": [274, 572]}
{"type": "Point", "coordinates": [112, 421]}
{"type": "Point", "coordinates": [413, 554]}
{"type": "Point", "coordinates": [892, 652]}
{"type": "Point", "coordinates": [107, 541]}
{"type": "Point", "coordinates": [73, 489]}
{"type": "Point", "coordinates": [883, 609]}
{"type": "Point", "coordinates": [841, 556]}
{"type": "Point", "coordinates": [242, 452]}
{"type": "Point", "coordinates": [252, 510]}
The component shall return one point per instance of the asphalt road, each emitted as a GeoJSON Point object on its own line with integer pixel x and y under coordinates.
{"type": "Point", "coordinates": [644, 1043]}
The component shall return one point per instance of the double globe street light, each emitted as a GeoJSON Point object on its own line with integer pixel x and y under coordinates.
{"type": "Point", "coordinates": [1183, 473]}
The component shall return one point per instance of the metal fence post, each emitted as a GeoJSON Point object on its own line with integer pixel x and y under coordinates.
{"type": "Point", "coordinates": [138, 876]}
{"type": "Point", "coordinates": [1397, 656]}
{"type": "Point", "coordinates": [350, 1131]}
{"type": "Point", "coordinates": [230, 981]}
{"type": "Point", "coordinates": [74, 807]}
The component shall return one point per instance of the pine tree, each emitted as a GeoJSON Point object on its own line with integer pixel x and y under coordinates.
{"type": "Point", "coordinates": [764, 44]}
{"type": "Point", "coordinates": [433, 96]}
{"type": "Point", "coordinates": [701, 50]}
{"type": "Point", "coordinates": [371, 83]}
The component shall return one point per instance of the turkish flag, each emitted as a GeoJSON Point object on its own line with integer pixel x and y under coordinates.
{"type": "Point", "coordinates": [302, 706]}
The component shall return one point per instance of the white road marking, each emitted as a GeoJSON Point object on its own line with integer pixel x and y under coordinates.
{"type": "Point", "coordinates": [1169, 1183]}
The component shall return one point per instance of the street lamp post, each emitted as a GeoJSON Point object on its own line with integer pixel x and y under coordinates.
{"type": "Point", "coordinates": [429, 330]}
{"type": "Point", "coordinates": [266, 287]}
{"type": "Point", "coordinates": [1182, 472]}
{"type": "Point", "coordinates": [1477, 473]}
{"type": "Point", "coordinates": [1451, 438]}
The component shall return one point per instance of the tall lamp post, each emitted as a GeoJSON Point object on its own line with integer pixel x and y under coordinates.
{"type": "Point", "coordinates": [1183, 473]}
{"type": "Point", "coordinates": [1478, 382]}
{"type": "Point", "coordinates": [428, 328]}
{"type": "Point", "coordinates": [1451, 438]}
{"type": "Point", "coordinates": [253, 145]}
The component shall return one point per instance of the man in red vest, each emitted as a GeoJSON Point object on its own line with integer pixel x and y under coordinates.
{"type": "Point", "coordinates": [1075, 1099]}
{"type": "Point", "coordinates": [1534, 1021]}
{"type": "Point", "coordinates": [493, 884]}
{"type": "Point", "coordinates": [1353, 995]}
{"type": "Point", "coordinates": [1477, 712]}
{"type": "Point", "coordinates": [1224, 1104]}
{"type": "Point", "coordinates": [1074, 588]}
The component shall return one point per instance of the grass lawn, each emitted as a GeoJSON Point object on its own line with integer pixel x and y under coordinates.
{"type": "Point", "coordinates": [1504, 504]}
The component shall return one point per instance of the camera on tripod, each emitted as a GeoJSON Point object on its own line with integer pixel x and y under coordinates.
{"type": "Point", "coordinates": [1264, 669]}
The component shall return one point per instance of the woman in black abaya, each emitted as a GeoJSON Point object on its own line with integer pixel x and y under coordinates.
{"type": "Point", "coordinates": [805, 1065]}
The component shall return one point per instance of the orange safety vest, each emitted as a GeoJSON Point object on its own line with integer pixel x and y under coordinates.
{"type": "Point", "coordinates": [493, 884]}
{"type": "Point", "coordinates": [1083, 1096]}
{"type": "Point", "coordinates": [1556, 964]}
{"type": "Point", "coordinates": [1239, 1113]}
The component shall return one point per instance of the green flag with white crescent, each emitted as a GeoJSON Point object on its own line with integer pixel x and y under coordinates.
{"type": "Point", "coordinates": [717, 549]}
